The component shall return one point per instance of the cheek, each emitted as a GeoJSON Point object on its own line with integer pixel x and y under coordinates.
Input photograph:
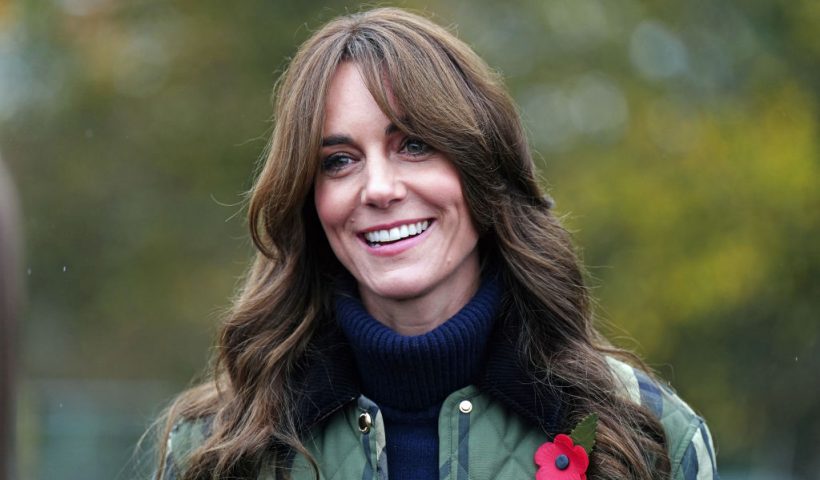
{"type": "Point", "coordinates": [330, 206]}
{"type": "Point", "coordinates": [443, 187]}
{"type": "Point", "coordinates": [321, 198]}
{"type": "Point", "coordinates": [447, 192]}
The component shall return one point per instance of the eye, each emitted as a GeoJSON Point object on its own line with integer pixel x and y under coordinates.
{"type": "Point", "coordinates": [415, 147]}
{"type": "Point", "coordinates": [335, 163]}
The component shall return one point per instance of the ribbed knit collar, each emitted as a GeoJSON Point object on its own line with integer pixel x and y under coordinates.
{"type": "Point", "coordinates": [327, 377]}
{"type": "Point", "coordinates": [417, 372]}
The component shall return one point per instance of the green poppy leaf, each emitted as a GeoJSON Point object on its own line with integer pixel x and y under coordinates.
{"type": "Point", "coordinates": [584, 433]}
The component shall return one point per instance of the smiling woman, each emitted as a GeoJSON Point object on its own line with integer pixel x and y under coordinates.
{"type": "Point", "coordinates": [415, 307]}
{"type": "Point", "coordinates": [376, 185]}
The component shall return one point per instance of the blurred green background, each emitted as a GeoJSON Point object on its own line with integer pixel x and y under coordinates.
{"type": "Point", "coordinates": [679, 138]}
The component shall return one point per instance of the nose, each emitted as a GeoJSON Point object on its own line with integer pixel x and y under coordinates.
{"type": "Point", "coordinates": [383, 185]}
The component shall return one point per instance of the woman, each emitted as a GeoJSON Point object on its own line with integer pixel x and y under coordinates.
{"type": "Point", "coordinates": [415, 307]}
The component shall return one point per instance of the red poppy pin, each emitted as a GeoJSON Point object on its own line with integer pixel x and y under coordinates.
{"type": "Point", "coordinates": [566, 457]}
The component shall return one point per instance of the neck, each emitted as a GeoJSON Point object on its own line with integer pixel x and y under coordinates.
{"type": "Point", "coordinates": [416, 372]}
{"type": "Point", "coordinates": [421, 314]}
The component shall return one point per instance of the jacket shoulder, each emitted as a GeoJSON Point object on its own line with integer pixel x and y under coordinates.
{"type": "Point", "coordinates": [689, 442]}
{"type": "Point", "coordinates": [185, 437]}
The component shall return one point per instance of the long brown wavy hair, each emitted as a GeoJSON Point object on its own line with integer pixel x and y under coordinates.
{"type": "Point", "coordinates": [443, 93]}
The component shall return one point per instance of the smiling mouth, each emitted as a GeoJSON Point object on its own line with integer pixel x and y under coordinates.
{"type": "Point", "coordinates": [377, 238]}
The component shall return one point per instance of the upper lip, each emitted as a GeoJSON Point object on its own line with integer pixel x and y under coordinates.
{"type": "Point", "coordinates": [397, 223]}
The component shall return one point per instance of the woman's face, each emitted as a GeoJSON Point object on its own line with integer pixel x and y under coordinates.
{"type": "Point", "coordinates": [392, 207]}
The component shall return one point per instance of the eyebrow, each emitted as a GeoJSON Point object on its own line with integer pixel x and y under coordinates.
{"type": "Point", "coordinates": [337, 140]}
{"type": "Point", "coordinates": [333, 140]}
{"type": "Point", "coordinates": [392, 128]}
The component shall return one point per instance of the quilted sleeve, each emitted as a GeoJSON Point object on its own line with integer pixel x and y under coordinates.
{"type": "Point", "coordinates": [698, 459]}
{"type": "Point", "coordinates": [184, 438]}
{"type": "Point", "coordinates": [689, 443]}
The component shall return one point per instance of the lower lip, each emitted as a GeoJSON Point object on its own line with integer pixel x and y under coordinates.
{"type": "Point", "coordinates": [396, 248]}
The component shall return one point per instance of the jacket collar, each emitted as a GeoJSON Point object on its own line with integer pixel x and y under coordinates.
{"type": "Point", "coordinates": [329, 379]}
{"type": "Point", "coordinates": [510, 379]}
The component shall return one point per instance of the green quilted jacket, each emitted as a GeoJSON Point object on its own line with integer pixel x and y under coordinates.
{"type": "Point", "coordinates": [480, 438]}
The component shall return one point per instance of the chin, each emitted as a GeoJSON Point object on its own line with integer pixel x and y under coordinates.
{"type": "Point", "coordinates": [397, 289]}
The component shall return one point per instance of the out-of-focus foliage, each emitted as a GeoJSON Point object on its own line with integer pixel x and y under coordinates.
{"type": "Point", "coordinates": [680, 140]}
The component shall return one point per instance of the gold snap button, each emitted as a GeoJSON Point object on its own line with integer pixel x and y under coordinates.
{"type": "Point", "coordinates": [365, 422]}
{"type": "Point", "coordinates": [465, 406]}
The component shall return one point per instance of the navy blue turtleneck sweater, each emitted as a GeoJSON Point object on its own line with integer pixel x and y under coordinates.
{"type": "Point", "coordinates": [409, 377]}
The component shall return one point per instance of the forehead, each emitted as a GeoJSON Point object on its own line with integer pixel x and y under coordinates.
{"type": "Point", "coordinates": [349, 103]}
{"type": "Point", "coordinates": [347, 89]}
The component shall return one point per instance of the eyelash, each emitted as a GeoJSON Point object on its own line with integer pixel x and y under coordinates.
{"type": "Point", "coordinates": [425, 147]}
{"type": "Point", "coordinates": [333, 163]}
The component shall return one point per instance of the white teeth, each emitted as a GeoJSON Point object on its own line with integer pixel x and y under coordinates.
{"type": "Point", "coordinates": [396, 233]}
